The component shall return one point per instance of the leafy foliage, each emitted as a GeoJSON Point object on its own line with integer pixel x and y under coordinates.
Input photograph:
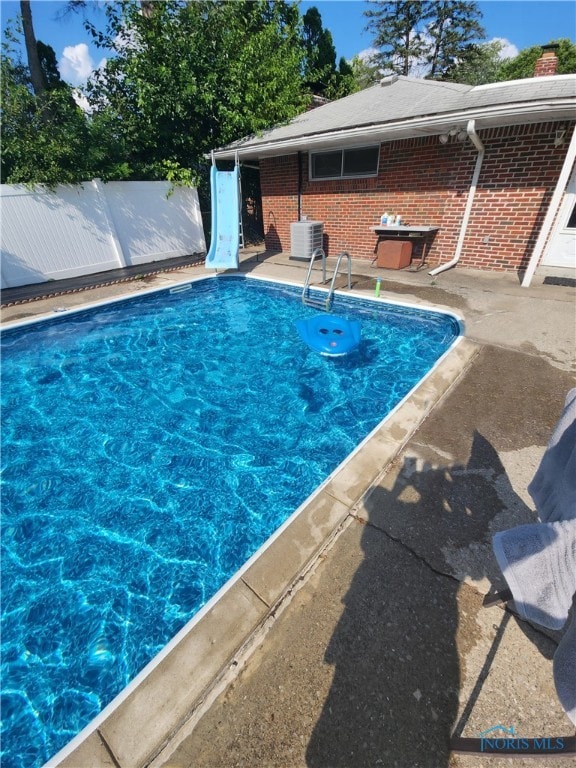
{"type": "Point", "coordinates": [398, 32]}
{"type": "Point", "coordinates": [49, 67]}
{"type": "Point", "coordinates": [44, 137]}
{"type": "Point", "coordinates": [454, 26]}
{"type": "Point", "coordinates": [522, 66]}
{"type": "Point", "coordinates": [479, 64]}
{"type": "Point", "coordinates": [365, 72]}
{"type": "Point", "coordinates": [320, 61]}
{"type": "Point", "coordinates": [191, 76]}
{"type": "Point", "coordinates": [181, 79]}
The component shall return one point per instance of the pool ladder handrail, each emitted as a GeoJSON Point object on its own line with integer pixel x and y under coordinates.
{"type": "Point", "coordinates": [325, 304]}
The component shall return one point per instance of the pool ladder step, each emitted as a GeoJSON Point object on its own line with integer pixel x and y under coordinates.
{"type": "Point", "coordinates": [324, 302]}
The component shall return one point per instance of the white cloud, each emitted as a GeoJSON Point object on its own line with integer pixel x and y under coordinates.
{"type": "Point", "coordinates": [76, 64]}
{"type": "Point", "coordinates": [508, 50]}
{"type": "Point", "coordinates": [81, 100]}
{"type": "Point", "coordinates": [368, 54]}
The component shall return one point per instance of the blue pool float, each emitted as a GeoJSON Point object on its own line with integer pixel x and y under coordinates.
{"type": "Point", "coordinates": [329, 334]}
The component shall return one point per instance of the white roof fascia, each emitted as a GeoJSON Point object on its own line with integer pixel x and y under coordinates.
{"type": "Point", "coordinates": [509, 114]}
{"type": "Point", "coordinates": [521, 82]}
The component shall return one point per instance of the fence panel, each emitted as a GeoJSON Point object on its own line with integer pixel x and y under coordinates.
{"type": "Point", "coordinates": [151, 225]}
{"type": "Point", "coordinates": [94, 227]}
{"type": "Point", "coordinates": [47, 236]}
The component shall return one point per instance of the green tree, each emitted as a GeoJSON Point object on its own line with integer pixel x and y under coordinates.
{"type": "Point", "coordinates": [49, 67]}
{"type": "Point", "coordinates": [345, 82]}
{"type": "Point", "coordinates": [398, 28]}
{"type": "Point", "coordinates": [454, 26]}
{"type": "Point", "coordinates": [187, 77]}
{"type": "Point", "coordinates": [522, 66]}
{"type": "Point", "coordinates": [417, 32]}
{"type": "Point", "coordinates": [320, 60]}
{"type": "Point", "coordinates": [479, 64]}
{"type": "Point", "coordinates": [44, 138]}
{"type": "Point", "coordinates": [321, 75]}
{"type": "Point", "coordinates": [364, 72]}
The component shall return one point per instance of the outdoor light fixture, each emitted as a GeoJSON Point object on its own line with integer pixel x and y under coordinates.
{"type": "Point", "coordinates": [455, 132]}
{"type": "Point", "coordinates": [559, 138]}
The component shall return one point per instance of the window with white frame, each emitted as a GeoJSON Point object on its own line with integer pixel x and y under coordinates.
{"type": "Point", "coordinates": [350, 162]}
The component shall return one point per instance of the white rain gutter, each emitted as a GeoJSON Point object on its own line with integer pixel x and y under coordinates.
{"type": "Point", "coordinates": [426, 126]}
{"type": "Point", "coordinates": [551, 212]}
{"type": "Point", "coordinates": [470, 130]}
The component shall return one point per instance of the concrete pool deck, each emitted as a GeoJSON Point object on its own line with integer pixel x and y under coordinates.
{"type": "Point", "coordinates": [360, 638]}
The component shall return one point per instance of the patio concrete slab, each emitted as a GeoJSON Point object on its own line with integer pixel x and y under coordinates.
{"type": "Point", "coordinates": [92, 753]}
{"type": "Point", "coordinates": [123, 275]}
{"type": "Point", "coordinates": [281, 564]}
{"type": "Point", "coordinates": [516, 690]}
{"type": "Point", "coordinates": [387, 648]}
{"type": "Point", "coordinates": [375, 673]}
{"type": "Point", "coordinates": [451, 492]}
{"type": "Point", "coordinates": [338, 683]}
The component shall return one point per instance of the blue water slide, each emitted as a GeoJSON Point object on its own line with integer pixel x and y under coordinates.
{"type": "Point", "coordinates": [225, 204]}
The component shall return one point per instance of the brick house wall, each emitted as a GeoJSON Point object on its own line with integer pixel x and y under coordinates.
{"type": "Point", "coordinates": [427, 183]}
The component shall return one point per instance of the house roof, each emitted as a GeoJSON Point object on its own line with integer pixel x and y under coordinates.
{"type": "Point", "coordinates": [400, 107]}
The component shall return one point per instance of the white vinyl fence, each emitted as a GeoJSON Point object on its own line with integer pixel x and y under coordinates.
{"type": "Point", "coordinates": [93, 227]}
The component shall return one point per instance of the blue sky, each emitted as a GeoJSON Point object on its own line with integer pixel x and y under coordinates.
{"type": "Point", "coordinates": [520, 23]}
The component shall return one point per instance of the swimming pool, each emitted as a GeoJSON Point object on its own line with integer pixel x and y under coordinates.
{"type": "Point", "coordinates": [151, 446]}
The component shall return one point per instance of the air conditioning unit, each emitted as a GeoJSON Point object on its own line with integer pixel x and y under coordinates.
{"type": "Point", "coordinates": [305, 237]}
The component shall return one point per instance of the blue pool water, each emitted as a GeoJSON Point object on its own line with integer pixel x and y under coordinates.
{"type": "Point", "coordinates": [150, 447]}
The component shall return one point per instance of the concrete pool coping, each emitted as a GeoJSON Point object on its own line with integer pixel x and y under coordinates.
{"type": "Point", "coordinates": [201, 659]}
{"type": "Point", "coordinates": [183, 680]}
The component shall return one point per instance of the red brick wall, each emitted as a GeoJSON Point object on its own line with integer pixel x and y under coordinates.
{"type": "Point", "coordinates": [547, 64]}
{"type": "Point", "coordinates": [279, 187]}
{"type": "Point", "coordinates": [427, 183]}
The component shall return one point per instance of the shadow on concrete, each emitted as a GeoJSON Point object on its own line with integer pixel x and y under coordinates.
{"type": "Point", "coordinates": [396, 649]}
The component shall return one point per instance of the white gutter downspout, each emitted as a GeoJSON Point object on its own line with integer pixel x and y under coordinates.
{"type": "Point", "coordinates": [464, 226]}
{"type": "Point", "coordinates": [551, 212]}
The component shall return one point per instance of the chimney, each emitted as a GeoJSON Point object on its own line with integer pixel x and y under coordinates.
{"type": "Point", "coordinates": [547, 64]}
